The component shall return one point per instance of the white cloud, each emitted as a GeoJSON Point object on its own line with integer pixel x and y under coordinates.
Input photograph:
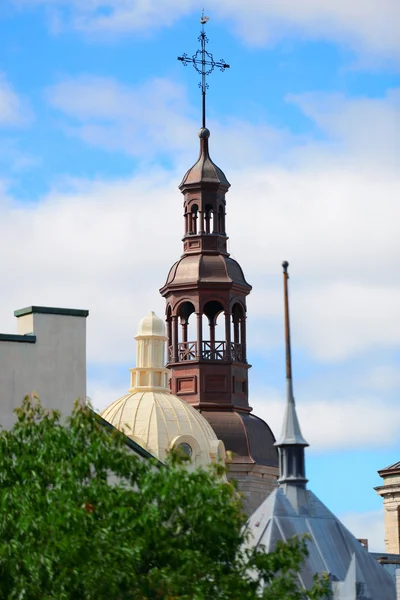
{"type": "Point", "coordinates": [139, 120]}
{"type": "Point", "coordinates": [348, 420]}
{"type": "Point", "coordinates": [330, 420]}
{"type": "Point", "coordinates": [328, 207]}
{"type": "Point", "coordinates": [91, 247]}
{"type": "Point", "coordinates": [102, 393]}
{"type": "Point", "coordinates": [382, 378]}
{"type": "Point", "coordinates": [331, 210]}
{"type": "Point", "coordinates": [370, 26]}
{"type": "Point", "coordinates": [13, 110]}
{"type": "Point", "coordinates": [367, 525]}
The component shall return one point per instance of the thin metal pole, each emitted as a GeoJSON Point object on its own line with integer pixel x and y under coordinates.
{"type": "Point", "coordinates": [285, 265]}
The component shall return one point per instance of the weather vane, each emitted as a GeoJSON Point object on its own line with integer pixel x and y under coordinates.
{"type": "Point", "coordinates": [204, 64]}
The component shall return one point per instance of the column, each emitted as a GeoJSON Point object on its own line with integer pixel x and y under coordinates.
{"type": "Point", "coordinates": [199, 335]}
{"type": "Point", "coordinates": [169, 332]}
{"type": "Point", "coordinates": [208, 217]}
{"type": "Point", "coordinates": [227, 335]}
{"type": "Point", "coordinates": [201, 221]}
{"type": "Point", "coordinates": [184, 325]}
{"type": "Point", "coordinates": [243, 337]}
{"type": "Point", "coordinates": [212, 339]}
{"type": "Point", "coordinates": [235, 328]}
{"type": "Point", "coordinates": [175, 338]}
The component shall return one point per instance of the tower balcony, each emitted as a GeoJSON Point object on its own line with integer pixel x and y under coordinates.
{"type": "Point", "coordinates": [207, 351]}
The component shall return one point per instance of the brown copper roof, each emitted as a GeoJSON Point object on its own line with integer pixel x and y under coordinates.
{"type": "Point", "coordinates": [204, 170]}
{"type": "Point", "coordinates": [248, 437]}
{"type": "Point", "coordinates": [194, 268]}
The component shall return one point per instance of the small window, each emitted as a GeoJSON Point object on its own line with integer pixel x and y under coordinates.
{"type": "Point", "coordinates": [186, 449]}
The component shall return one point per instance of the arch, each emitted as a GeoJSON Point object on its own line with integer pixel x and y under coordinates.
{"type": "Point", "coordinates": [180, 301]}
{"type": "Point", "coordinates": [194, 214]}
{"type": "Point", "coordinates": [196, 455]}
{"type": "Point", "coordinates": [187, 348]}
{"type": "Point", "coordinates": [215, 297]}
{"type": "Point", "coordinates": [185, 309]}
{"type": "Point", "coordinates": [214, 349]}
{"type": "Point", "coordinates": [208, 216]}
{"type": "Point", "coordinates": [238, 300]}
{"type": "Point", "coordinates": [212, 309]}
{"type": "Point", "coordinates": [238, 334]}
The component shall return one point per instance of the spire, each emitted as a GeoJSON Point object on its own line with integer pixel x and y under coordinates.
{"type": "Point", "coordinates": [204, 172]}
{"type": "Point", "coordinates": [291, 443]}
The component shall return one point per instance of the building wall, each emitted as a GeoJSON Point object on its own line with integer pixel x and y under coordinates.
{"type": "Point", "coordinates": [390, 491]}
{"type": "Point", "coordinates": [255, 483]}
{"type": "Point", "coordinates": [47, 356]}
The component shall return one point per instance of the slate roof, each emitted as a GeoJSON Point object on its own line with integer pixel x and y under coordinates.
{"type": "Point", "coordinates": [354, 573]}
{"type": "Point", "coordinates": [291, 432]}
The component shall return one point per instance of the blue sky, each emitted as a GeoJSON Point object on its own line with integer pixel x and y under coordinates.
{"type": "Point", "coordinates": [98, 123]}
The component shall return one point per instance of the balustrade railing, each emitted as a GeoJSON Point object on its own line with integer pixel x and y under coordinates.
{"type": "Point", "coordinates": [209, 351]}
{"type": "Point", "coordinates": [187, 351]}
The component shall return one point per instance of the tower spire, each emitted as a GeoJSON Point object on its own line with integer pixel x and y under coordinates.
{"type": "Point", "coordinates": [204, 63]}
{"type": "Point", "coordinates": [291, 443]}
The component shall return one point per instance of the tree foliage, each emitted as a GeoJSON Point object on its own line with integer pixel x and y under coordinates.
{"type": "Point", "coordinates": [83, 517]}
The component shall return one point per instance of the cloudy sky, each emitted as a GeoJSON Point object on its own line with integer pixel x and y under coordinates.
{"type": "Point", "coordinates": [98, 123]}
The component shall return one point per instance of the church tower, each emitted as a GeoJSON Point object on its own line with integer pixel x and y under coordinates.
{"type": "Point", "coordinates": [205, 295]}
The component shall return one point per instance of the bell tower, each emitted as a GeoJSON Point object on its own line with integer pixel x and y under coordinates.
{"type": "Point", "coordinates": [205, 295]}
{"type": "Point", "coordinates": [206, 288]}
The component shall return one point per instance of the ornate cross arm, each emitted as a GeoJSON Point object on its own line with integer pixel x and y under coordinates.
{"type": "Point", "coordinates": [204, 64]}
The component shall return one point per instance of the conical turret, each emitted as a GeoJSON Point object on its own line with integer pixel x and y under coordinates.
{"type": "Point", "coordinates": [291, 443]}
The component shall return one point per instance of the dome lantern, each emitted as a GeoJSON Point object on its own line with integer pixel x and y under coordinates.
{"type": "Point", "coordinates": [152, 416]}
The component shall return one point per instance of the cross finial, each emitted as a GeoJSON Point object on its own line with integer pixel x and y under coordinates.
{"type": "Point", "coordinates": [204, 64]}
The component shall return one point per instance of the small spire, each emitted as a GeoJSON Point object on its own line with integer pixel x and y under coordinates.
{"type": "Point", "coordinates": [291, 443]}
{"type": "Point", "coordinates": [204, 171]}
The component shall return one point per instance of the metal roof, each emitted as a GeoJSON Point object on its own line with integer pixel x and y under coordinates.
{"type": "Point", "coordinates": [291, 432]}
{"type": "Point", "coordinates": [354, 573]}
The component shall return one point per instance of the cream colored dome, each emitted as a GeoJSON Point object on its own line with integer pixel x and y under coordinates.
{"type": "Point", "coordinates": [151, 325]}
{"type": "Point", "coordinates": [151, 415]}
{"type": "Point", "coordinates": [159, 421]}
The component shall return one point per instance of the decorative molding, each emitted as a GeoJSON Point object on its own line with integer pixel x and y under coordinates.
{"type": "Point", "coordinates": [49, 310]}
{"type": "Point", "coordinates": [22, 339]}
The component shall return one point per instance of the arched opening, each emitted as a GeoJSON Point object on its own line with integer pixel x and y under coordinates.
{"type": "Point", "coordinates": [213, 349]}
{"type": "Point", "coordinates": [208, 214]}
{"type": "Point", "coordinates": [238, 334]}
{"type": "Point", "coordinates": [194, 215]}
{"type": "Point", "coordinates": [187, 348]}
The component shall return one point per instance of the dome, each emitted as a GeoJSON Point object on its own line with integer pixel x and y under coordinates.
{"type": "Point", "coordinates": [204, 171]}
{"type": "Point", "coordinates": [153, 417]}
{"type": "Point", "coordinates": [159, 421]}
{"type": "Point", "coordinates": [248, 437]}
{"type": "Point", "coordinates": [194, 268]}
{"type": "Point", "coordinates": [151, 326]}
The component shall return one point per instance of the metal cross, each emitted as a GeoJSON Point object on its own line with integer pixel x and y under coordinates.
{"type": "Point", "coordinates": [204, 64]}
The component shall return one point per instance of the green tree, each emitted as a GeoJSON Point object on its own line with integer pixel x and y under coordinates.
{"type": "Point", "coordinates": [82, 517]}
